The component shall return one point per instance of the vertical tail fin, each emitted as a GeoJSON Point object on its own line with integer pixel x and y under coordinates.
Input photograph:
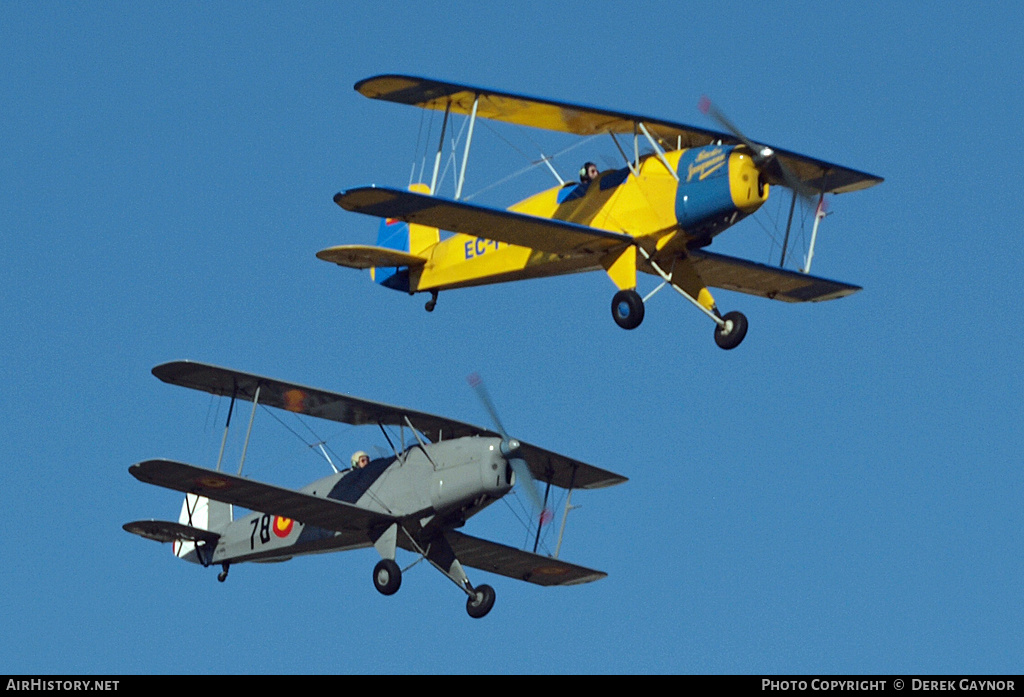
{"type": "Point", "coordinates": [405, 237]}
{"type": "Point", "coordinates": [200, 512]}
{"type": "Point", "coordinates": [408, 237]}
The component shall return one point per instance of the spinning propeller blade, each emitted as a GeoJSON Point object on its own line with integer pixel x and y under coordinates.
{"type": "Point", "coordinates": [509, 446]}
{"type": "Point", "coordinates": [764, 157]}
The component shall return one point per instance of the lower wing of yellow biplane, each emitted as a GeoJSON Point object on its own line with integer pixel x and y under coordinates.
{"type": "Point", "coordinates": [689, 271]}
{"type": "Point", "coordinates": [743, 276]}
{"type": "Point", "coordinates": [559, 237]}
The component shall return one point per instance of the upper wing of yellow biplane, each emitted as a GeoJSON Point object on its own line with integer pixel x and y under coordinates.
{"type": "Point", "coordinates": [521, 110]}
{"type": "Point", "coordinates": [730, 273]}
{"type": "Point", "coordinates": [543, 234]}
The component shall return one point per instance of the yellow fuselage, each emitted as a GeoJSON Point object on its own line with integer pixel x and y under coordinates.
{"type": "Point", "coordinates": [717, 186]}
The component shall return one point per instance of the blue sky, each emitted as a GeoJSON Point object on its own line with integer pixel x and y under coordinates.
{"type": "Point", "coordinates": [840, 494]}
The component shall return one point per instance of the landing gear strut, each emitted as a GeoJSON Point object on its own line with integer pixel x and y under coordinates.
{"type": "Point", "coordinates": [223, 575]}
{"type": "Point", "coordinates": [429, 307]}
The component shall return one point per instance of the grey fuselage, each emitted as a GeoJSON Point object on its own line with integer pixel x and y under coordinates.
{"type": "Point", "coordinates": [429, 489]}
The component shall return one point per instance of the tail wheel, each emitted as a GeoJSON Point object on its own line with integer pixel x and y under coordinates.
{"type": "Point", "coordinates": [627, 309]}
{"type": "Point", "coordinates": [387, 577]}
{"type": "Point", "coordinates": [480, 602]}
{"type": "Point", "coordinates": [730, 336]}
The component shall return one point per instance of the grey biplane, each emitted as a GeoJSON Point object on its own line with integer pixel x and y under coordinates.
{"type": "Point", "coordinates": [414, 499]}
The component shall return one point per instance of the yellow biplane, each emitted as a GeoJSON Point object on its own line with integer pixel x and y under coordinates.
{"type": "Point", "coordinates": [680, 187]}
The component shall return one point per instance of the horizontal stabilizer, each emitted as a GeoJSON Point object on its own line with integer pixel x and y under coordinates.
{"type": "Point", "coordinates": [358, 256]}
{"type": "Point", "coordinates": [515, 563]}
{"type": "Point", "coordinates": [542, 234]}
{"type": "Point", "coordinates": [256, 496]}
{"type": "Point", "coordinates": [730, 273]}
{"type": "Point", "coordinates": [166, 531]}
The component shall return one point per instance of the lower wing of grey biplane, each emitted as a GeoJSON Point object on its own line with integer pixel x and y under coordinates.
{"type": "Point", "coordinates": [356, 525]}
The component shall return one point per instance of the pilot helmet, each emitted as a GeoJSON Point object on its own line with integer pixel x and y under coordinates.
{"type": "Point", "coordinates": [583, 171]}
{"type": "Point", "coordinates": [355, 458]}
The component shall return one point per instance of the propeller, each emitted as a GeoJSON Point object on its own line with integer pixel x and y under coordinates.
{"type": "Point", "coordinates": [765, 158]}
{"type": "Point", "coordinates": [509, 447]}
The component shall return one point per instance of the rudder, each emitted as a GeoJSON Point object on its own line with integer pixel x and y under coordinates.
{"type": "Point", "coordinates": [200, 512]}
{"type": "Point", "coordinates": [404, 237]}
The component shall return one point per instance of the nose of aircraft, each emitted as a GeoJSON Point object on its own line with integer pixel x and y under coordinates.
{"type": "Point", "coordinates": [747, 184]}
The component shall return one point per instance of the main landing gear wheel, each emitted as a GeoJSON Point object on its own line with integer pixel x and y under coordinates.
{"type": "Point", "coordinates": [730, 336]}
{"type": "Point", "coordinates": [480, 602]}
{"type": "Point", "coordinates": [387, 577]}
{"type": "Point", "coordinates": [627, 309]}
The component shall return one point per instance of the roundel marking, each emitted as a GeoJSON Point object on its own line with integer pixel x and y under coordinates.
{"type": "Point", "coordinates": [283, 526]}
{"type": "Point", "coordinates": [295, 400]}
{"type": "Point", "coordinates": [212, 482]}
{"type": "Point", "coordinates": [550, 570]}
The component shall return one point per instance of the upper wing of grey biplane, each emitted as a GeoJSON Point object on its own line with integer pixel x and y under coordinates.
{"type": "Point", "coordinates": [545, 465]}
{"type": "Point", "coordinates": [256, 496]}
{"type": "Point", "coordinates": [584, 120]}
{"type": "Point", "coordinates": [308, 400]}
{"type": "Point", "coordinates": [544, 234]}
{"type": "Point", "coordinates": [516, 563]}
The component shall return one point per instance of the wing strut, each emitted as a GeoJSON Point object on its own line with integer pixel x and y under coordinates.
{"type": "Point", "coordinates": [622, 152]}
{"type": "Point", "coordinates": [381, 427]}
{"type": "Point", "coordinates": [255, 403]}
{"type": "Point", "coordinates": [657, 150]}
{"type": "Point", "coordinates": [423, 446]}
{"type": "Point", "coordinates": [224, 440]}
{"type": "Point", "coordinates": [465, 153]}
{"type": "Point", "coordinates": [440, 147]}
{"type": "Point", "coordinates": [819, 215]}
{"type": "Point", "coordinates": [544, 512]}
{"type": "Point", "coordinates": [789, 224]}
{"type": "Point", "coordinates": [565, 514]}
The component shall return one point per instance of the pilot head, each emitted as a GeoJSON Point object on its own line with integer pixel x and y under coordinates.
{"type": "Point", "coordinates": [360, 460]}
{"type": "Point", "coordinates": [588, 172]}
